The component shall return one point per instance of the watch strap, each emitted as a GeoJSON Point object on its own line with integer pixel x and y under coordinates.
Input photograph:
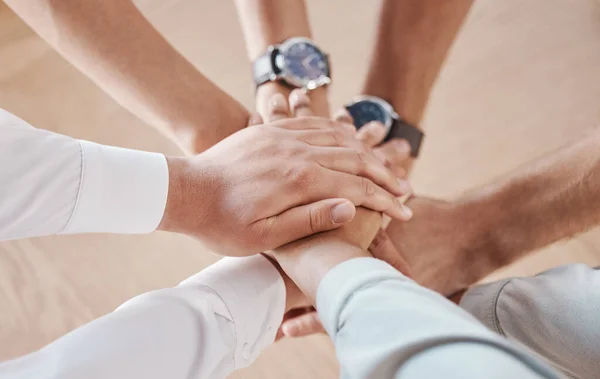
{"type": "Point", "coordinates": [264, 68]}
{"type": "Point", "coordinates": [402, 130]}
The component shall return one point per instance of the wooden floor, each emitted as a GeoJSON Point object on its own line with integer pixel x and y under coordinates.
{"type": "Point", "coordinates": [523, 78]}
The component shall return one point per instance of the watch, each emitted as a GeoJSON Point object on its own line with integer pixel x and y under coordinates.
{"type": "Point", "coordinates": [365, 109]}
{"type": "Point", "coordinates": [297, 62]}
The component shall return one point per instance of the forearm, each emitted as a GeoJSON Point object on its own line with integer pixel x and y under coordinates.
{"type": "Point", "coordinates": [208, 326]}
{"type": "Point", "coordinates": [114, 44]}
{"type": "Point", "coordinates": [413, 39]}
{"type": "Point", "coordinates": [67, 186]}
{"type": "Point", "coordinates": [554, 197]}
{"type": "Point", "coordinates": [269, 22]}
{"type": "Point", "coordinates": [560, 306]}
{"type": "Point", "coordinates": [409, 331]}
{"type": "Point", "coordinates": [308, 260]}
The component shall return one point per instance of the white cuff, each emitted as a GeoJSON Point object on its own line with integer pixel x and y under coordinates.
{"type": "Point", "coordinates": [121, 191]}
{"type": "Point", "coordinates": [254, 293]}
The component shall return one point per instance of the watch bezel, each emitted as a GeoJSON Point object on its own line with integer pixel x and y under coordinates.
{"type": "Point", "coordinates": [292, 79]}
{"type": "Point", "coordinates": [387, 107]}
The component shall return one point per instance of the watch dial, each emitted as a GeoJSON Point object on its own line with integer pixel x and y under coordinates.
{"type": "Point", "coordinates": [305, 61]}
{"type": "Point", "coordinates": [365, 111]}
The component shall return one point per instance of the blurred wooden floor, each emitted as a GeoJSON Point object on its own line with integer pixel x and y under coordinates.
{"type": "Point", "coordinates": [523, 78]}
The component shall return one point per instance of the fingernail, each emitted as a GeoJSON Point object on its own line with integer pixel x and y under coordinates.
{"type": "Point", "coordinates": [289, 329]}
{"type": "Point", "coordinates": [255, 119]}
{"type": "Point", "coordinates": [343, 212]}
{"type": "Point", "coordinates": [277, 101]}
{"type": "Point", "coordinates": [408, 213]}
{"type": "Point", "coordinates": [375, 128]}
{"type": "Point", "coordinates": [402, 146]}
{"type": "Point", "coordinates": [404, 187]}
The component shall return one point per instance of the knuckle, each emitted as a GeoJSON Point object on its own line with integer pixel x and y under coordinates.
{"type": "Point", "coordinates": [338, 136]}
{"type": "Point", "coordinates": [368, 187]}
{"type": "Point", "coordinates": [301, 175]}
{"type": "Point", "coordinates": [317, 220]}
{"type": "Point", "coordinates": [379, 241]}
{"type": "Point", "coordinates": [362, 167]}
{"type": "Point", "coordinates": [262, 230]}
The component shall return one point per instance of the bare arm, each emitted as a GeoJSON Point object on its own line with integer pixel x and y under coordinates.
{"type": "Point", "coordinates": [451, 245]}
{"type": "Point", "coordinates": [112, 43]}
{"type": "Point", "coordinates": [413, 38]}
{"type": "Point", "coordinates": [554, 197]}
{"type": "Point", "coordinates": [267, 22]}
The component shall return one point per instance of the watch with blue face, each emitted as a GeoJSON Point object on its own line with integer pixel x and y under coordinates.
{"type": "Point", "coordinates": [298, 62]}
{"type": "Point", "coordinates": [365, 109]}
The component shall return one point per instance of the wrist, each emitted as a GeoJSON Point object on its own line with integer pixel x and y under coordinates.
{"type": "Point", "coordinates": [307, 261]}
{"type": "Point", "coordinates": [177, 167]}
{"type": "Point", "coordinates": [479, 244]}
{"type": "Point", "coordinates": [186, 190]}
{"type": "Point", "coordinates": [202, 127]}
{"type": "Point", "coordinates": [294, 298]}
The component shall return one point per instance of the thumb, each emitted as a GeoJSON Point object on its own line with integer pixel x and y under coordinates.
{"type": "Point", "coordinates": [383, 248]}
{"type": "Point", "coordinates": [303, 325]}
{"type": "Point", "coordinates": [305, 220]}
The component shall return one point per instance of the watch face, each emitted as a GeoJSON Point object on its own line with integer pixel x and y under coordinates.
{"type": "Point", "coordinates": [305, 61]}
{"type": "Point", "coordinates": [365, 111]}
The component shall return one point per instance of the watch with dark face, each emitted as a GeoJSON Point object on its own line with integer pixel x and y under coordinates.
{"type": "Point", "coordinates": [365, 109]}
{"type": "Point", "coordinates": [297, 61]}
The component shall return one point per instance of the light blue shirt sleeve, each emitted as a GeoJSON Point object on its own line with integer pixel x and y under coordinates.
{"type": "Point", "coordinates": [384, 325]}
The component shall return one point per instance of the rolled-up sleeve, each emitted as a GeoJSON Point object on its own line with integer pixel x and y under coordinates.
{"type": "Point", "coordinates": [211, 324]}
{"type": "Point", "coordinates": [384, 325]}
{"type": "Point", "coordinates": [54, 184]}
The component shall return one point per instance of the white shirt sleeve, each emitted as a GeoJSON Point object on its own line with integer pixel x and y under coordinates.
{"type": "Point", "coordinates": [211, 324]}
{"type": "Point", "coordinates": [54, 184]}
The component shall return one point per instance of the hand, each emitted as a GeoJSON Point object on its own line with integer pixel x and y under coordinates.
{"type": "Point", "coordinates": [266, 93]}
{"type": "Point", "coordinates": [359, 232]}
{"type": "Point", "coordinates": [438, 245]}
{"type": "Point", "coordinates": [395, 154]}
{"type": "Point", "coordinates": [271, 184]}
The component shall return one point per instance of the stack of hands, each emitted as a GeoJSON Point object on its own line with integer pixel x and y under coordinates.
{"type": "Point", "coordinates": [292, 181]}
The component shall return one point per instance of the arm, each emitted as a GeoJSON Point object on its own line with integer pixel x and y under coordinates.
{"type": "Point", "coordinates": [213, 323]}
{"type": "Point", "coordinates": [69, 186]}
{"type": "Point", "coordinates": [413, 39]}
{"type": "Point", "coordinates": [398, 328]}
{"type": "Point", "coordinates": [561, 307]}
{"type": "Point", "coordinates": [452, 245]}
{"type": "Point", "coordinates": [267, 22]}
{"type": "Point", "coordinates": [112, 43]}
{"type": "Point", "coordinates": [65, 186]}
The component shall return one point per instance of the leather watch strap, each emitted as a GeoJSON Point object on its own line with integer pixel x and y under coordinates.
{"type": "Point", "coordinates": [264, 68]}
{"type": "Point", "coordinates": [414, 136]}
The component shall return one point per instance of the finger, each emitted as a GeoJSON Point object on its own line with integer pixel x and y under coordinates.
{"type": "Point", "coordinates": [343, 116]}
{"type": "Point", "coordinates": [363, 192]}
{"type": "Point", "coordinates": [345, 119]}
{"type": "Point", "coordinates": [303, 325]}
{"type": "Point", "coordinates": [265, 92]}
{"type": "Point", "coordinates": [383, 248]}
{"type": "Point", "coordinates": [371, 134]}
{"type": "Point", "coordinates": [255, 119]}
{"type": "Point", "coordinates": [309, 124]}
{"type": "Point", "coordinates": [277, 108]}
{"type": "Point", "coordinates": [362, 163]}
{"type": "Point", "coordinates": [300, 104]}
{"type": "Point", "coordinates": [302, 221]}
{"type": "Point", "coordinates": [395, 152]}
